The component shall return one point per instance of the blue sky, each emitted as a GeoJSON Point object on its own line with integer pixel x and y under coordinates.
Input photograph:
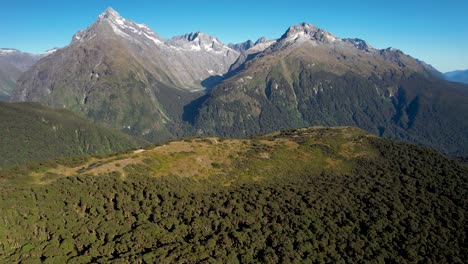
{"type": "Point", "coordinates": [432, 30]}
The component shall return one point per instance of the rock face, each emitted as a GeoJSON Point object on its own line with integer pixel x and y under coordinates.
{"type": "Point", "coordinates": [123, 74]}
{"type": "Point", "coordinates": [246, 54]}
{"type": "Point", "coordinates": [198, 56]}
{"type": "Point", "coordinates": [12, 64]}
{"type": "Point", "coordinates": [311, 77]}
{"type": "Point", "coordinates": [242, 47]}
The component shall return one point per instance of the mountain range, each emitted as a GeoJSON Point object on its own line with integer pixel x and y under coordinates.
{"type": "Point", "coordinates": [12, 64]}
{"type": "Point", "coordinates": [125, 75]}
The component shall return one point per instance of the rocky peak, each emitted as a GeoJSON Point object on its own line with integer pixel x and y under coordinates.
{"type": "Point", "coordinates": [303, 27]}
{"type": "Point", "coordinates": [198, 37]}
{"type": "Point", "coordinates": [359, 44]}
{"type": "Point", "coordinates": [191, 36]}
{"type": "Point", "coordinates": [197, 41]}
{"type": "Point", "coordinates": [304, 31]}
{"type": "Point", "coordinates": [261, 40]}
{"type": "Point", "coordinates": [111, 15]}
{"type": "Point", "coordinates": [120, 26]}
{"type": "Point", "coordinates": [243, 46]}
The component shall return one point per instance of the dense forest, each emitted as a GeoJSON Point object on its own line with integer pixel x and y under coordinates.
{"type": "Point", "coordinates": [316, 195]}
{"type": "Point", "coordinates": [32, 132]}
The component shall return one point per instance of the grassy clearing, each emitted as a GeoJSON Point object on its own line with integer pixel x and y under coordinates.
{"type": "Point", "coordinates": [312, 150]}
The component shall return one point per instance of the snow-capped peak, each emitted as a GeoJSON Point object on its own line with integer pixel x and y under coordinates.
{"type": "Point", "coordinates": [112, 15]}
{"type": "Point", "coordinates": [359, 44]}
{"type": "Point", "coordinates": [197, 41]}
{"type": "Point", "coordinates": [304, 31]}
{"type": "Point", "coordinates": [200, 37]}
{"type": "Point", "coordinates": [120, 26]}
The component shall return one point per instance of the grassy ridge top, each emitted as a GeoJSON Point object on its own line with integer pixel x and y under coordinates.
{"type": "Point", "coordinates": [325, 195]}
{"type": "Point", "coordinates": [34, 132]}
{"type": "Point", "coordinates": [313, 149]}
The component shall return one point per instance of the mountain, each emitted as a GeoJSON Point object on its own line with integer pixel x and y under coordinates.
{"type": "Point", "coordinates": [202, 54]}
{"type": "Point", "coordinates": [243, 46]}
{"type": "Point", "coordinates": [331, 195]}
{"type": "Point", "coordinates": [457, 76]}
{"type": "Point", "coordinates": [8, 76]}
{"type": "Point", "coordinates": [12, 63]}
{"type": "Point", "coordinates": [125, 75]}
{"type": "Point", "coordinates": [246, 54]}
{"type": "Point", "coordinates": [311, 77]}
{"type": "Point", "coordinates": [31, 132]}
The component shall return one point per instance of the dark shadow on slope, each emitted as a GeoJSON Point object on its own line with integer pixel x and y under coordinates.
{"type": "Point", "coordinates": [4, 98]}
{"type": "Point", "coordinates": [212, 81]}
{"type": "Point", "coordinates": [192, 109]}
{"type": "Point", "coordinates": [240, 65]}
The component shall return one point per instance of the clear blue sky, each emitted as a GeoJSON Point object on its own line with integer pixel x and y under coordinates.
{"type": "Point", "coordinates": [434, 31]}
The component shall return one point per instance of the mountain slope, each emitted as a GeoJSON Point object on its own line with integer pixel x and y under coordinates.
{"type": "Point", "coordinates": [33, 132]}
{"type": "Point", "coordinates": [12, 63]}
{"type": "Point", "coordinates": [310, 77]}
{"type": "Point", "coordinates": [243, 46]}
{"type": "Point", "coordinates": [248, 50]}
{"type": "Point", "coordinates": [8, 76]}
{"type": "Point", "coordinates": [457, 76]}
{"type": "Point", "coordinates": [310, 195]}
{"type": "Point", "coordinates": [123, 74]}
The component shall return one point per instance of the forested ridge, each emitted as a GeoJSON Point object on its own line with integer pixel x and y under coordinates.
{"type": "Point", "coordinates": [32, 132]}
{"type": "Point", "coordinates": [317, 195]}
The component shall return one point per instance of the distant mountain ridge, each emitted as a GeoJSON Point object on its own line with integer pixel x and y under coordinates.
{"type": "Point", "coordinates": [13, 63]}
{"type": "Point", "coordinates": [457, 76]}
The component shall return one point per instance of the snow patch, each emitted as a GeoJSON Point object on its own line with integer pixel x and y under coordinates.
{"type": "Point", "coordinates": [262, 46]}
{"type": "Point", "coordinates": [118, 31]}
{"type": "Point", "coordinates": [143, 26]}
{"type": "Point", "coordinates": [7, 51]}
{"type": "Point", "coordinates": [331, 38]}
{"type": "Point", "coordinates": [195, 47]}
{"type": "Point", "coordinates": [297, 36]}
{"type": "Point", "coordinates": [48, 52]}
{"type": "Point", "coordinates": [155, 40]}
{"type": "Point", "coordinates": [120, 21]}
